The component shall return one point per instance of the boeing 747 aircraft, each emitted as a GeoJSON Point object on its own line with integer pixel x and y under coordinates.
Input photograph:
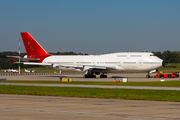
{"type": "Point", "coordinates": [92, 65]}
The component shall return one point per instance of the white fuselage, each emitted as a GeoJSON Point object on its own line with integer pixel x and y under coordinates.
{"type": "Point", "coordinates": [125, 62]}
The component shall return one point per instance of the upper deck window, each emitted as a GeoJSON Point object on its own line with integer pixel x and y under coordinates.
{"type": "Point", "coordinates": [121, 55]}
{"type": "Point", "coordinates": [136, 56]}
{"type": "Point", "coordinates": [152, 55]}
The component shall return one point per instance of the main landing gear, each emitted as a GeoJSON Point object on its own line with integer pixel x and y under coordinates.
{"type": "Point", "coordinates": [103, 76]}
{"type": "Point", "coordinates": [90, 74]}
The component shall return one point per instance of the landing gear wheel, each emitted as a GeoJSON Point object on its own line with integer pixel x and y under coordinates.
{"type": "Point", "coordinates": [147, 76]}
{"type": "Point", "coordinates": [86, 76]}
{"type": "Point", "coordinates": [103, 76]}
{"type": "Point", "coordinates": [89, 76]}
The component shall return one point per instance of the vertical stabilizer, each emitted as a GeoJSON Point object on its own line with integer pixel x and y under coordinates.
{"type": "Point", "coordinates": [33, 48]}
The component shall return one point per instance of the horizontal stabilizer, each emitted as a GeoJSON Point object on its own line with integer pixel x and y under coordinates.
{"type": "Point", "coordinates": [13, 61]}
{"type": "Point", "coordinates": [32, 63]}
{"type": "Point", "coordinates": [14, 57]}
{"type": "Point", "coordinates": [24, 59]}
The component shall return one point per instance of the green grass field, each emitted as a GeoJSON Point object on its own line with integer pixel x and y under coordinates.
{"type": "Point", "coordinates": [170, 70]}
{"type": "Point", "coordinates": [173, 64]}
{"type": "Point", "coordinates": [155, 83]}
{"type": "Point", "coordinates": [131, 94]}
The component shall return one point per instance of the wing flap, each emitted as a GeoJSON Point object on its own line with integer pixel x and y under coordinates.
{"type": "Point", "coordinates": [87, 67]}
{"type": "Point", "coordinates": [68, 66]}
{"type": "Point", "coordinates": [84, 67]}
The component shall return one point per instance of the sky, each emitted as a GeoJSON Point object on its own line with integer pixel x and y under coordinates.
{"type": "Point", "coordinates": [92, 26]}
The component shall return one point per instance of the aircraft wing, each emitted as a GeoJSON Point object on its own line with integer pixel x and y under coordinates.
{"type": "Point", "coordinates": [81, 67]}
{"type": "Point", "coordinates": [75, 66]}
{"type": "Point", "coordinates": [84, 67]}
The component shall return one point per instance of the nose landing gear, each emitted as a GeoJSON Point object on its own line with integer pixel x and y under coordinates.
{"type": "Point", "coordinates": [148, 76]}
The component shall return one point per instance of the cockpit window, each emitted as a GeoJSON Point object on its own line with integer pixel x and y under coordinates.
{"type": "Point", "coordinates": [152, 55]}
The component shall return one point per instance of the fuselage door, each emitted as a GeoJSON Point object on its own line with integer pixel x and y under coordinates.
{"type": "Point", "coordinates": [140, 63]}
{"type": "Point", "coordinates": [94, 62]}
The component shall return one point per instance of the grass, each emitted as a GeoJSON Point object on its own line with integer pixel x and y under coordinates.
{"type": "Point", "coordinates": [170, 70]}
{"type": "Point", "coordinates": [173, 64]}
{"type": "Point", "coordinates": [131, 94]}
{"type": "Point", "coordinates": [155, 83]}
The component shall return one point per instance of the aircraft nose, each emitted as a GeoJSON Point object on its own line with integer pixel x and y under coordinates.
{"type": "Point", "coordinates": [158, 63]}
{"type": "Point", "coordinates": [161, 63]}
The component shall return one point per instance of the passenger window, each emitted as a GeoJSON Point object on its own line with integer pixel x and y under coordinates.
{"type": "Point", "coordinates": [152, 55]}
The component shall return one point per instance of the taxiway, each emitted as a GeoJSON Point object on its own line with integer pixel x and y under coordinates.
{"type": "Point", "coordinates": [134, 77]}
{"type": "Point", "coordinates": [21, 107]}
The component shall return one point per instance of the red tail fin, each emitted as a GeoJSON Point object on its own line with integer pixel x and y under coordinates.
{"type": "Point", "coordinates": [32, 46]}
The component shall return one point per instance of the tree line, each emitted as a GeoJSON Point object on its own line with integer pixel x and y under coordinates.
{"type": "Point", "coordinates": [5, 63]}
{"type": "Point", "coordinates": [168, 56]}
